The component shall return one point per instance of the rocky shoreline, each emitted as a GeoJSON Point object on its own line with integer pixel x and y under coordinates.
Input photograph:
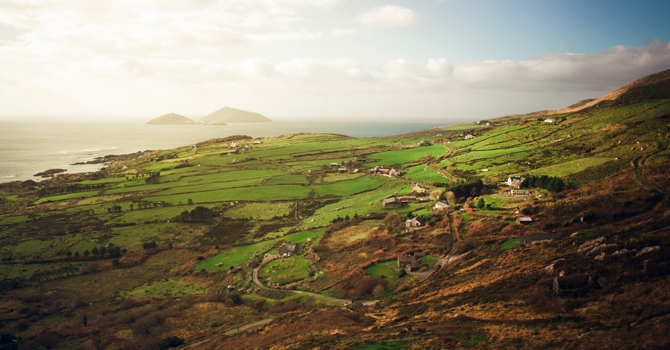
{"type": "Point", "coordinates": [112, 157]}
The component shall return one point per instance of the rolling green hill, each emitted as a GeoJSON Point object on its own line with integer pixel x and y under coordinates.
{"type": "Point", "coordinates": [149, 248]}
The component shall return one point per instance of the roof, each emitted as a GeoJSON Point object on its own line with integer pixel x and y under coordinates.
{"type": "Point", "coordinates": [390, 200]}
{"type": "Point", "coordinates": [419, 220]}
{"type": "Point", "coordinates": [441, 204]}
{"type": "Point", "coordinates": [543, 236]}
{"type": "Point", "coordinates": [525, 219]}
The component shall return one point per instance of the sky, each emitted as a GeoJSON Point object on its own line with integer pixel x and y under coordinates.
{"type": "Point", "coordinates": [409, 60]}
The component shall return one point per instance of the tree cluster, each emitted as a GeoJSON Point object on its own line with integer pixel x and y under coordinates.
{"type": "Point", "coordinates": [55, 191]}
{"type": "Point", "coordinates": [553, 184]}
{"type": "Point", "coordinates": [149, 245]}
{"type": "Point", "coordinates": [198, 214]}
{"type": "Point", "coordinates": [472, 187]}
{"type": "Point", "coordinates": [53, 274]}
{"type": "Point", "coordinates": [153, 178]}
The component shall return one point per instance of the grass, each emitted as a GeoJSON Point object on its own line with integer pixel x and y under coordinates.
{"type": "Point", "coordinates": [287, 179]}
{"type": "Point", "coordinates": [285, 270]}
{"type": "Point", "coordinates": [510, 243]}
{"type": "Point", "coordinates": [257, 193]}
{"type": "Point", "coordinates": [383, 271]}
{"type": "Point", "coordinates": [237, 256]}
{"type": "Point", "coordinates": [423, 173]}
{"type": "Point", "coordinates": [66, 196]}
{"type": "Point", "coordinates": [170, 287]}
{"type": "Point", "coordinates": [406, 155]}
{"type": "Point", "coordinates": [348, 187]}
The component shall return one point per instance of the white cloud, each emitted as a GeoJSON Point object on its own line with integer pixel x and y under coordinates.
{"type": "Point", "coordinates": [343, 31]}
{"type": "Point", "coordinates": [390, 16]}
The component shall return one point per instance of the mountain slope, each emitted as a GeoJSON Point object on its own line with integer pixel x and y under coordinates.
{"type": "Point", "coordinates": [171, 119]}
{"type": "Point", "coordinates": [232, 115]}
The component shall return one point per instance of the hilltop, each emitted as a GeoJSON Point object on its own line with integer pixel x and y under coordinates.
{"type": "Point", "coordinates": [263, 243]}
{"type": "Point", "coordinates": [172, 119]}
{"type": "Point", "coordinates": [232, 115]}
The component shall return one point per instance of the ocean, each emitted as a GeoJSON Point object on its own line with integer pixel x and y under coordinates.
{"type": "Point", "coordinates": [32, 145]}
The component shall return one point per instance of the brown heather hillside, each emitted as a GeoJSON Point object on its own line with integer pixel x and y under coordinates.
{"type": "Point", "coordinates": [655, 86]}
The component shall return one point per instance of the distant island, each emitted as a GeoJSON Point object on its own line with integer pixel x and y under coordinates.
{"type": "Point", "coordinates": [223, 116]}
{"type": "Point", "coordinates": [172, 119]}
{"type": "Point", "coordinates": [232, 115]}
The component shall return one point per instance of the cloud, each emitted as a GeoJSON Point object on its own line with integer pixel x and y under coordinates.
{"type": "Point", "coordinates": [343, 31]}
{"type": "Point", "coordinates": [390, 16]}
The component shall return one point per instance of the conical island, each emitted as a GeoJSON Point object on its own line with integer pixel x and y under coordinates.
{"type": "Point", "coordinates": [232, 115]}
{"type": "Point", "coordinates": [172, 119]}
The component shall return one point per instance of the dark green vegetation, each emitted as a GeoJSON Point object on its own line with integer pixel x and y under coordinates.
{"type": "Point", "coordinates": [162, 248]}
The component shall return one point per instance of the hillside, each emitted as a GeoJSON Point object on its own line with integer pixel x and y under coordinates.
{"type": "Point", "coordinates": [232, 115]}
{"type": "Point", "coordinates": [171, 119]}
{"type": "Point", "coordinates": [148, 250]}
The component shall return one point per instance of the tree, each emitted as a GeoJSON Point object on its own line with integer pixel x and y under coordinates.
{"type": "Point", "coordinates": [95, 251]}
{"type": "Point", "coordinates": [402, 273]}
{"type": "Point", "coordinates": [190, 201]}
{"type": "Point", "coordinates": [481, 204]}
{"type": "Point", "coordinates": [87, 253]}
{"type": "Point", "coordinates": [115, 262]}
{"type": "Point", "coordinates": [474, 192]}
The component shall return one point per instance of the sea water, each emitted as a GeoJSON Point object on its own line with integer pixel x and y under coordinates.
{"type": "Point", "coordinates": [32, 145]}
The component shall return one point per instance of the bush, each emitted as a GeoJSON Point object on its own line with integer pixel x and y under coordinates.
{"type": "Point", "coordinates": [21, 325]}
{"type": "Point", "coordinates": [402, 273]}
{"type": "Point", "coordinates": [170, 342]}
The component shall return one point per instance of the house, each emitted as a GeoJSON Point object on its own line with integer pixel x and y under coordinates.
{"type": "Point", "coordinates": [231, 287]}
{"type": "Point", "coordinates": [415, 223]}
{"type": "Point", "coordinates": [437, 142]}
{"type": "Point", "coordinates": [518, 193]}
{"type": "Point", "coordinates": [355, 171]}
{"type": "Point", "coordinates": [394, 172]}
{"type": "Point", "coordinates": [524, 220]}
{"type": "Point", "coordinates": [538, 238]}
{"type": "Point", "coordinates": [125, 167]}
{"type": "Point", "coordinates": [257, 142]}
{"type": "Point", "coordinates": [485, 170]}
{"type": "Point", "coordinates": [288, 249]}
{"type": "Point", "coordinates": [334, 164]}
{"type": "Point", "coordinates": [391, 202]}
{"type": "Point", "coordinates": [408, 262]}
{"type": "Point", "coordinates": [408, 199]}
{"type": "Point", "coordinates": [419, 254]}
{"type": "Point", "coordinates": [235, 161]}
{"type": "Point", "coordinates": [424, 143]}
{"type": "Point", "coordinates": [515, 181]}
{"type": "Point", "coordinates": [469, 136]}
{"type": "Point", "coordinates": [419, 188]}
{"type": "Point", "coordinates": [441, 205]}
{"type": "Point", "coordinates": [342, 170]}
{"type": "Point", "coordinates": [551, 121]}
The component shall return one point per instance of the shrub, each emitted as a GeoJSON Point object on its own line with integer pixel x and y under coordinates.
{"type": "Point", "coordinates": [402, 273]}
{"type": "Point", "coordinates": [21, 325]}
{"type": "Point", "coordinates": [170, 342]}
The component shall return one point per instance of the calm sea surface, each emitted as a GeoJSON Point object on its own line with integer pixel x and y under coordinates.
{"type": "Point", "coordinates": [28, 146]}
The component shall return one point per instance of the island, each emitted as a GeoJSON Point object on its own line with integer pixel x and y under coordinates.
{"type": "Point", "coordinates": [232, 115]}
{"type": "Point", "coordinates": [172, 119]}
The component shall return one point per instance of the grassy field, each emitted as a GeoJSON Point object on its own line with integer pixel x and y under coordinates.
{"type": "Point", "coordinates": [287, 179]}
{"type": "Point", "coordinates": [170, 287]}
{"type": "Point", "coordinates": [66, 196]}
{"type": "Point", "coordinates": [285, 270]}
{"type": "Point", "coordinates": [406, 155]}
{"type": "Point", "coordinates": [425, 174]}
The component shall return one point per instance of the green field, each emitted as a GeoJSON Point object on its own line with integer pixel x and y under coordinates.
{"type": "Point", "coordinates": [284, 270]}
{"type": "Point", "coordinates": [406, 155]}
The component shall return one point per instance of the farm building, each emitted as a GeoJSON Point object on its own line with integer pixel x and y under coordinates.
{"type": "Point", "coordinates": [538, 238]}
{"type": "Point", "coordinates": [515, 181]}
{"type": "Point", "coordinates": [524, 220]}
{"type": "Point", "coordinates": [391, 202]}
{"type": "Point", "coordinates": [415, 223]}
{"type": "Point", "coordinates": [419, 188]}
{"type": "Point", "coordinates": [441, 205]}
{"type": "Point", "coordinates": [342, 170]}
{"type": "Point", "coordinates": [424, 143]}
{"type": "Point", "coordinates": [518, 193]}
{"type": "Point", "coordinates": [408, 262]}
{"type": "Point", "coordinates": [288, 249]}
{"type": "Point", "coordinates": [469, 136]}
{"type": "Point", "coordinates": [551, 121]}
{"type": "Point", "coordinates": [408, 199]}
